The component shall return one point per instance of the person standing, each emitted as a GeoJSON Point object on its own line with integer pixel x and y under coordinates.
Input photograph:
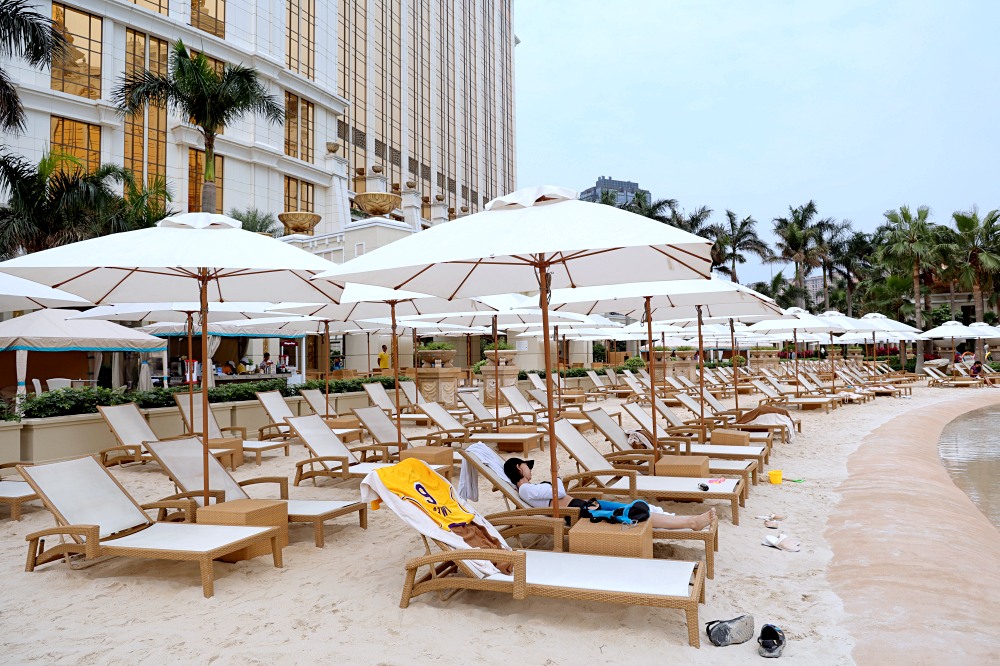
{"type": "Point", "coordinates": [383, 358]}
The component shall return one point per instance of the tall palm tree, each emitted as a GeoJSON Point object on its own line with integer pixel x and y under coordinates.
{"type": "Point", "coordinates": [695, 222]}
{"type": "Point", "coordinates": [51, 203]}
{"type": "Point", "coordinates": [850, 258]}
{"type": "Point", "coordinates": [780, 289]}
{"type": "Point", "coordinates": [658, 210]}
{"type": "Point", "coordinates": [739, 237]}
{"type": "Point", "coordinates": [908, 242]}
{"type": "Point", "coordinates": [830, 235]}
{"type": "Point", "coordinates": [797, 244]}
{"type": "Point", "coordinates": [29, 36]}
{"type": "Point", "coordinates": [609, 198]}
{"type": "Point", "coordinates": [977, 246]}
{"type": "Point", "coordinates": [208, 99]}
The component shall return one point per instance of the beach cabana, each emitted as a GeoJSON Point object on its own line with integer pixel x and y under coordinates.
{"type": "Point", "coordinates": [51, 331]}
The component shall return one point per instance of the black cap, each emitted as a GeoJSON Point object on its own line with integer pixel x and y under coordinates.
{"type": "Point", "coordinates": [510, 468]}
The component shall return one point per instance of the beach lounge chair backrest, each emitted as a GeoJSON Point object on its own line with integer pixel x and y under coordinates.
{"type": "Point", "coordinates": [319, 439]}
{"type": "Point", "coordinates": [183, 459]}
{"type": "Point", "coordinates": [409, 389]}
{"type": "Point", "coordinates": [536, 381]}
{"type": "Point", "coordinates": [127, 424]}
{"type": "Point", "coordinates": [607, 427]}
{"type": "Point", "coordinates": [675, 384]}
{"type": "Point", "coordinates": [516, 399]}
{"type": "Point", "coordinates": [184, 404]}
{"type": "Point", "coordinates": [316, 400]}
{"type": "Point", "coordinates": [476, 406]}
{"type": "Point", "coordinates": [376, 392]}
{"type": "Point", "coordinates": [440, 416]}
{"type": "Point", "coordinates": [580, 448]}
{"type": "Point", "coordinates": [378, 423]}
{"type": "Point", "coordinates": [501, 483]}
{"type": "Point", "coordinates": [275, 406]}
{"type": "Point", "coordinates": [689, 403]}
{"type": "Point", "coordinates": [640, 416]}
{"type": "Point", "coordinates": [669, 415]}
{"type": "Point", "coordinates": [712, 401]}
{"type": "Point", "coordinates": [594, 377]}
{"type": "Point", "coordinates": [82, 492]}
{"type": "Point", "coordinates": [765, 389]}
{"type": "Point", "coordinates": [541, 397]}
{"type": "Point", "coordinates": [634, 385]}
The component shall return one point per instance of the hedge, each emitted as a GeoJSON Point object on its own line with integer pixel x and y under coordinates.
{"type": "Point", "coordinates": [70, 401]}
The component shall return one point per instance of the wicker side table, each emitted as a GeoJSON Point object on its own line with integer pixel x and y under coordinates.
{"type": "Point", "coordinates": [612, 539]}
{"type": "Point", "coordinates": [249, 512]}
{"type": "Point", "coordinates": [696, 466]}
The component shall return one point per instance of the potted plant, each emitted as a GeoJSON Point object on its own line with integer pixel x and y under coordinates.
{"type": "Point", "coordinates": [661, 353]}
{"type": "Point", "coordinates": [685, 353]}
{"type": "Point", "coordinates": [436, 354]}
{"type": "Point", "coordinates": [502, 355]}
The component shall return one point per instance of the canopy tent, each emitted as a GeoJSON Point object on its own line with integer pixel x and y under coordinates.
{"type": "Point", "coordinates": [52, 331]}
{"type": "Point", "coordinates": [534, 239]}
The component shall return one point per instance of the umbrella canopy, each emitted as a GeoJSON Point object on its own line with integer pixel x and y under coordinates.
{"type": "Point", "coordinates": [51, 330]}
{"type": "Point", "coordinates": [845, 323]}
{"type": "Point", "coordinates": [981, 326]}
{"type": "Point", "coordinates": [222, 329]}
{"type": "Point", "coordinates": [364, 301]}
{"type": "Point", "coordinates": [954, 329]}
{"type": "Point", "coordinates": [860, 338]}
{"type": "Point", "coordinates": [538, 238]}
{"type": "Point", "coordinates": [20, 294]}
{"type": "Point", "coordinates": [883, 323]}
{"type": "Point", "coordinates": [179, 311]}
{"type": "Point", "coordinates": [504, 318]}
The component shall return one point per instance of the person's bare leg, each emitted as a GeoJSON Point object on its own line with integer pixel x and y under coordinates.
{"type": "Point", "coordinates": [699, 522]}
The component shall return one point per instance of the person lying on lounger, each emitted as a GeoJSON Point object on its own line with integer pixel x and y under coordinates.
{"type": "Point", "coordinates": [539, 495]}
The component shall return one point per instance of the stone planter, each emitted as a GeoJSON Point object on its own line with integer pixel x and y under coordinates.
{"type": "Point", "coordinates": [439, 384]}
{"type": "Point", "coordinates": [440, 358]}
{"type": "Point", "coordinates": [10, 441]}
{"type": "Point", "coordinates": [506, 356]}
{"type": "Point", "coordinates": [299, 222]}
{"type": "Point", "coordinates": [62, 437]}
{"type": "Point", "coordinates": [377, 204]}
{"type": "Point", "coordinates": [685, 355]}
{"type": "Point", "coordinates": [834, 353]}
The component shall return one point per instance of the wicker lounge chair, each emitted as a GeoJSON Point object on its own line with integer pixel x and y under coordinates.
{"type": "Point", "coordinates": [528, 415]}
{"type": "Point", "coordinates": [565, 576]}
{"type": "Point", "coordinates": [630, 483]}
{"type": "Point", "coordinates": [774, 398]}
{"type": "Point", "coordinates": [601, 388]}
{"type": "Point", "coordinates": [414, 397]}
{"type": "Point", "coordinates": [452, 431]}
{"type": "Point", "coordinates": [182, 459]}
{"type": "Point", "coordinates": [131, 430]}
{"type": "Point", "coordinates": [14, 491]}
{"type": "Point", "coordinates": [379, 398]}
{"type": "Point", "coordinates": [484, 415]}
{"type": "Point", "coordinates": [383, 430]}
{"type": "Point", "coordinates": [331, 458]}
{"type": "Point", "coordinates": [101, 519]}
{"type": "Point", "coordinates": [714, 419]}
{"type": "Point", "coordinates": [709, 537]}
{"type": "Point", "coordinates": [216, 438]}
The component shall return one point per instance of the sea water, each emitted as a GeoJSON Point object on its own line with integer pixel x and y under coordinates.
{"type": "Point", "coordinates": [970, 451]}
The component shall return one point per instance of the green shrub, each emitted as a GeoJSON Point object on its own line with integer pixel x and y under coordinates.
{"type": "Point", "coordinates": [70, 401]}
{"type": "Point", "coordinates": [634, 363]}
{"type": "Point", "coordinates": [501, 345]}
{"type": "Point", "coordinates": [600, 353]}
{"type": "Point", "coordinates": [477, 368]}
{"type": "Point", "coordinates": [739, 360]}
{"type": "Point", "coordinates": [436, 346]}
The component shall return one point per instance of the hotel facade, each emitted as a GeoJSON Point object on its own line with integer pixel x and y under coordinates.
{"type": "Point", "coordinates": [413, 97]}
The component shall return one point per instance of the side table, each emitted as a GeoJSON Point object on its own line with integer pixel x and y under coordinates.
{"type": "Point", "coordinates": [249, 512]}
{"type": "Point", "coordinates": [612, 539]}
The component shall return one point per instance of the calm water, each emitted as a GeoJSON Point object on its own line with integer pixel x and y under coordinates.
{"type": "Point", "coordinates": [970, 451]}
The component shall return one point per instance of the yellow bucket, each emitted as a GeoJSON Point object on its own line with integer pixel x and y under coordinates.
{"type": "Point", "coordinates": [775, 476]}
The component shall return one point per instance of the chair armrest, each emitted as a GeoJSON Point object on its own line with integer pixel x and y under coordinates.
{"type": "Point", "coordinates": [342, 464]}
{"type": "Point", "coordinates": [186, 506]}
{"type": "Point", "coordinates": [91, 535]}
{"type": "Point", "coordinates": [382, 449]}
{"type": "Point", "coordinates": [242, 430]}
{"type": "Point", "coordinates": [533, 524]}
{"type": "Point", "coordinates": [451, 435]}
{"type": "Point", "coordinates": [264, 432]}
{"type": "Point", "coordinates": [593, 475]}
{"type": "Point", "coordinates": [480, 426]}
{"type": "Point", "coordinates": [516, 558]}
{"type": "Point", "coordinates": [633, 456]}
{"type": "Point", "coordinates": [282, 482]}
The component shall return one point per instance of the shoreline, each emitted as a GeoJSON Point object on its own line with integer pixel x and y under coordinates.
{"type": "Point", "coordinates": [912, 554]}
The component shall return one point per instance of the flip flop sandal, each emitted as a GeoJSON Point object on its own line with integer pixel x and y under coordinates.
{"type": "Point", "coordinates": [771, 524]}
{"type": "Point", "coordinates": [781, 542]}
{"type": "Point", "coordinates": [771, 516]}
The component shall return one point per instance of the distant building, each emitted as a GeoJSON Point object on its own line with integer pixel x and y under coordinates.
{"type": "Point", "coordinates": [625, 189]}
{"type": "Point", "coordinates": [814, 286]}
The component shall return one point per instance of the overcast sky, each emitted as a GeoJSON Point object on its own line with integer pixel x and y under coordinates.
{"type": "Point", "coordinates": [755, 106]}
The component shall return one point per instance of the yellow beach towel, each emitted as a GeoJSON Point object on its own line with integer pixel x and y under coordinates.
{"type": "Point", "coordinates": [413, 481]}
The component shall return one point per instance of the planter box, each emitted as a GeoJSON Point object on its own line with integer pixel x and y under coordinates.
{"type": "Point", "coordinates": [62, 437]}
{"type": "Point", "coordinates": [10, 441]}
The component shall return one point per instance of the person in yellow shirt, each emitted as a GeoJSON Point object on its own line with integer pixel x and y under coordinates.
{"type": "Point", "coordinates": [383, 358]}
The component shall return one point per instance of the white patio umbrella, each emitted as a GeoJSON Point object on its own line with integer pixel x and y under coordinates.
{"type": "Point", "coordinates": [20, 294]}
{"type": "Point", "coordinates": [537, 238]}
{"type": "Point", "coordinates": [952, 330]}
{"type": "Point", "coordinates": [194, 256]}
{"type": "Point", "coordinates": [658, 301]}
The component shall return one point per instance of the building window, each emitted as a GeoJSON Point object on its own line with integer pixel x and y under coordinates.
{"type": "Point", "coordinates": [300, 43]}
{"type": "Point", "coordinates": [298, 127]}
{"type": "Point", "coordinates": [77, 139]}
{"type": "Point", "coordinates": [210, 16]}
{"type": "Point", "coordinates": [196, 177]}
{"type": "Point", "coordinates": [299, 195]}
{"type": "Point", "coordinates": [146, 131]}
{"type": "Point", "coordinates": [158, 6]}
{"type": "Point", "coordinates": [78, 70]}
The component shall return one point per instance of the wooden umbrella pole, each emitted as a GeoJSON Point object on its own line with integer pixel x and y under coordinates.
{"type": "Point", "coordinates": [395, 374]}
{"type": "Point", "coordinates": [496, 373]}
{"type": "Point", "coordinates": [795, 347]}
{"type": "Point", "coordinates": [190, 360]}
{"type": "Point", "coordinates": [833, 368]}
{"type": "Point", "coordinates": [368, 349]}
{"type": "Point", "coordinates": [204, 384]}
{"type": "Point", "coordinates": [543, 303]}
{"type": "Point", "coordinates": [736, 366]}
{"type": "Point", "coordinates": [555, 334]}
{"type": "Point", "coordinates": [701, 368]}
{"type": "Point", "coordinates": [326, 331]}
{"type": "Point", "coordinates": [652, 376]}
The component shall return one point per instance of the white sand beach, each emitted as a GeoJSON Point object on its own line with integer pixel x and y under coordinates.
{"type": "Point", "coordinates": [896, 565]}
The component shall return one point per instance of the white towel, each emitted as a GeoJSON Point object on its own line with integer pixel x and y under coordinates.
{"type": "Point", "coordinates": [777, 419]}
{"type": "Point", "coordinates": [468, 479]}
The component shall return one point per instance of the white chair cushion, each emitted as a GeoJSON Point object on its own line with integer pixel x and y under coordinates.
{"type": "Point", "coordinates": [185, 537]}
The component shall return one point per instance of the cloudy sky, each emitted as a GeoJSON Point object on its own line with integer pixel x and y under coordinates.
{"type": "Point", "coordinates": [755, 106]}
